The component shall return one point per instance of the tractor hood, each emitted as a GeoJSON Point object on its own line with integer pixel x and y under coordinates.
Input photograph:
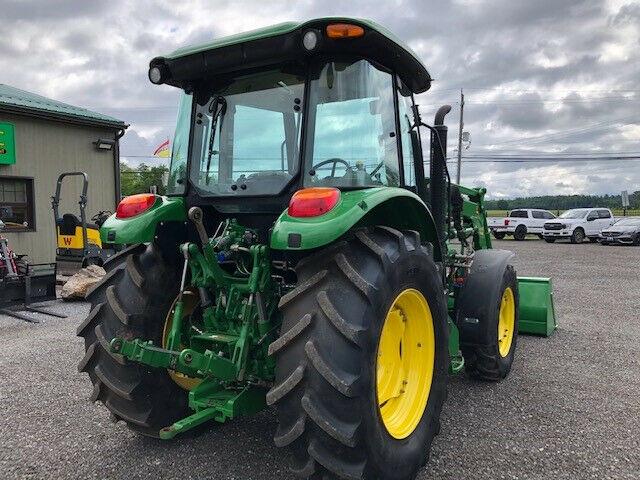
{"type": "Point", "coordinates": [284, 42]}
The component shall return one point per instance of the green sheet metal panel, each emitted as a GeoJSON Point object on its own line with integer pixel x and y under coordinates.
{"type": "Point", "coordinates": [537, 313]}
{"type": "Point", "coordinates": [7, 144]}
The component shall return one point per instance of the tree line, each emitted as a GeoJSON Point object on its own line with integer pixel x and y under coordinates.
{"type": "Point", "coordinates": [564, 202]}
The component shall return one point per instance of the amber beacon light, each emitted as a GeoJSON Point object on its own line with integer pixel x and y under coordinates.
{"type": "Point", "coordinates": [344, 30]}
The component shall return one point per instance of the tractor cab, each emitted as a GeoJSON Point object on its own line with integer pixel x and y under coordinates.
{"type": "Point", "coordinates": [314, 105]}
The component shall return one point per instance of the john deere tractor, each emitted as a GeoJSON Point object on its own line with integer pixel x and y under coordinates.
{"type": "Point", "coordinates": [302, 258]}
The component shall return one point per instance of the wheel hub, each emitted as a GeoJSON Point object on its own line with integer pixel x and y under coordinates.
{"type": "Point", "coordinates": [506, 322]}
{"type": "Point", "coordinates": [405, 363]}
{"type": "Point", "coordinates": [191, 300]}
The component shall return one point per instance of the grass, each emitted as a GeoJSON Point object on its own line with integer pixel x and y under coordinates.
{"type": "Point", "coordinates": [617, 212]}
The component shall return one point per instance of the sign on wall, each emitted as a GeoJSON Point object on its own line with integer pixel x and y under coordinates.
{"type": "Point", "coordinates": [7, 144]}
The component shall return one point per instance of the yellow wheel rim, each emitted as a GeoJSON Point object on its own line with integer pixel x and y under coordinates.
{"type": "Point", "coordinates": [405, 363]}
{"type": "Point", "coordinates": [506, 322]}
{"type": "Point", "coordinates": [191, 301]}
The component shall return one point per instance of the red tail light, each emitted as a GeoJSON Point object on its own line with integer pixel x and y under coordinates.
{"type": "Point", "coordinates": [506, 222]}
{"type": "Point", "coordinates": [313, 202]}
{"type": "Point", "coordinates": [135, 205]}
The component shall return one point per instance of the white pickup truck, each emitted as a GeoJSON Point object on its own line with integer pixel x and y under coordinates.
{"type": "Point", "coordinates": [520, 222]}
{"type": "Point", "coordinates": [577, 224]}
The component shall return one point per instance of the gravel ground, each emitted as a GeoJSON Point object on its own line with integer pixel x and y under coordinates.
{"type": "Point", "coordinates": [569, 410]}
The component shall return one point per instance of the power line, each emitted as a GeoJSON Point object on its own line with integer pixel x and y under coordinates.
{"type": "Point", "coordinates": [538, 90]}
{"type": "Point", "coordinates": [545, 159]}
{"type": "Point", "coordinates": [530, 153]}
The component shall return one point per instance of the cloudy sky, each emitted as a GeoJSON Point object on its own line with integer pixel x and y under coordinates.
{"type": "Point", "coordinates": [540, 77]}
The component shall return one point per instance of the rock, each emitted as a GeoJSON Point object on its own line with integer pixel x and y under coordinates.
{"type": "Point", "coordinates": [78, 285]}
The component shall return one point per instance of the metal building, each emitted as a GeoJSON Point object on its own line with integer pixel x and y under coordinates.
{"type": "Point", "coordinates": [39, 139]}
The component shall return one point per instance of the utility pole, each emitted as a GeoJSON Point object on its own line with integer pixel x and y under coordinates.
{"type": "Point", "coordinates": [460, 136]}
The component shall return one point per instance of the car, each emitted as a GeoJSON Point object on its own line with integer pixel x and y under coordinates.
{"type": "Point", "coordinates": [625, 231]}
{"type": "Point", "coordinates": [520, 222]}
{"type": "Point", "coordinates": [578, 224]}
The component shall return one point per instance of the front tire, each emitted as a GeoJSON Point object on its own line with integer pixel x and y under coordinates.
{"type": "Point", "coordinates": [327, 374]}
{"type": "Point", "coordinates": [491, 355]}
{"type": "Point", "coordinates": [132, 301]}
{"type": "Point", "coordinates": [577, 236]}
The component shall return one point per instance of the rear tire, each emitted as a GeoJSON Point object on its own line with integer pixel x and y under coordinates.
{"type": "Point", "coordinates": [577, 236]}
{"type": "Point", "coordinates": [520, 233]}
{"type": "Point", "coordinates": [132, 301]}
{"type": "Point", "coordinates": [483, 358]}
{"type": "Point", "coordinates": [499, 235]}
{"type": "Point", "coordinates": [325, 388]}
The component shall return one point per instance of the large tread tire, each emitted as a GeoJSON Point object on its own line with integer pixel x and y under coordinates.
{"type": "Point", "coordinates": [325, 387]}
{"type": "Point", "coordinates": [482, 359]}
{"type": "Point", "coordinates": [499, 235]}
{"type": "Point", "coordinates": [132, 301]}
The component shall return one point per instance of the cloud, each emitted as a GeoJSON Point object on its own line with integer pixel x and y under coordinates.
{"type": "Point", "coordinates": [543, 76]}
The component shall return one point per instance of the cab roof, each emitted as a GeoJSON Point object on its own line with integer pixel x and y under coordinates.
{"type": "Point", "coordinates": [283, 42]}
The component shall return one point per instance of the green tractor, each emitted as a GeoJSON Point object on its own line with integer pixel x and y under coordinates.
{"type": "Point", "coordinates": [302, 258]}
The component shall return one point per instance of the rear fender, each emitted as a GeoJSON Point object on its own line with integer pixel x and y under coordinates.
{"type": "Point", "coordinates": [392, 207]}
{"type": "Point", "coordinates": [142, 227]}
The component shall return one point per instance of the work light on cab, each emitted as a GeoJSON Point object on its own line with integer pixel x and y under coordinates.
{"type": "Point", "coordinates": [157, 74]}
{"type": "Point", "coordinates": [310, 40]}
{"type": "Point", "coordinates": [135, 205]}
{"type": "Point", "coordinates": [313, 202]}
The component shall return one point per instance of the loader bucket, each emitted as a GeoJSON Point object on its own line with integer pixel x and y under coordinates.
{"type": "Point", "coordinates": [537, 314]}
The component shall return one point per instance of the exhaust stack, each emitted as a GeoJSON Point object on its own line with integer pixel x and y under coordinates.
{"type": "Point", "coordinates": [438, 172]}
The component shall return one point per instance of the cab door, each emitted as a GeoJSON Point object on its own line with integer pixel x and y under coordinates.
{"type": "Point", "coordinates": [592, 225]}
{"type": "Point", "coordinates": [536, 221]}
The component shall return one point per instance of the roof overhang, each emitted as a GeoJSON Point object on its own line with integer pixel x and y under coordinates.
{"type": "Point", "coordinates": [61, 117]}
{"type": "Point", "coordinates": [281, 43]}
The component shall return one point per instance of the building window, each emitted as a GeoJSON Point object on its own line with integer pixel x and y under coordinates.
{"type": "Point", "coordinates": [17, 204]}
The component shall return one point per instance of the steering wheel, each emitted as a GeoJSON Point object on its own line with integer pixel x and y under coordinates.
{"type": "Point", "coordinates": [375, 170]}
{"type": "Point", "coordinates": [334, 161]}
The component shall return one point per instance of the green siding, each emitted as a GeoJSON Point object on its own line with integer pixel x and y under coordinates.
{"type": "Point", "coordinates": [44, 150]}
